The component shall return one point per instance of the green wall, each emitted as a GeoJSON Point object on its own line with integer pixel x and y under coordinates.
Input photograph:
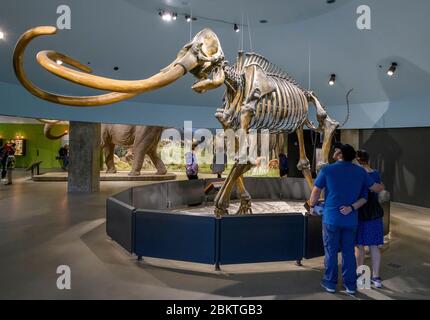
{"type": "Point", "coordinates": [38, 147]}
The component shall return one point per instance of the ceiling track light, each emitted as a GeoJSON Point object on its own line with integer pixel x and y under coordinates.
{"type": "Point", "coordinates": [392, 69]}
{"type": "Point", "coordinates": [236, 28]}
{"type": "Point", "coordinates": [188, 18]}
{"type": "Point", "coordinates": [332, 80]}
{"type": "Point", "coordinates": [167, 16]}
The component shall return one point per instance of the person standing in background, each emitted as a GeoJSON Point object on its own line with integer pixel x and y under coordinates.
{"type": "Point", "coordinates": [219, 167]}
{"type": "Point", "coordinates": [191, 166]}
{"type": "Point", "coordinates": [7, 153]}
{"type": "Point", "coordinates": [3, 158]}
{"type": "Point", "coordinates": [283, 165]}
{"type": "Point", "coordinates": [10, 165]}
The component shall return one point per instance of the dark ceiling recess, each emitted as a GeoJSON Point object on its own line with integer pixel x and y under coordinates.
{"type": "Point", "coordinates": [116, 68]}
{"type": "Point", "coordinates": [331, 1]}
{"type": "Point", "coordinates": [263, 21]}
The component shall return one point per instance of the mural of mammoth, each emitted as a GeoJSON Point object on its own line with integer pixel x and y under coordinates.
{"type": "Point", "coordinates": [143, 140]}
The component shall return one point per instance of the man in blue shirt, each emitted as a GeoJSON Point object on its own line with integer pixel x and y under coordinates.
{"type": "Point", "coordinates": [345, 186]}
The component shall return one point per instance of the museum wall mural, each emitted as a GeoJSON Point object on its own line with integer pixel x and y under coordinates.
{"type": "Point", "coordinates": [38, 148]}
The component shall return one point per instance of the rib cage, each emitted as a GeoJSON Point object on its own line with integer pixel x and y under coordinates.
{"type": "Point", "coordinates": [285, 109]}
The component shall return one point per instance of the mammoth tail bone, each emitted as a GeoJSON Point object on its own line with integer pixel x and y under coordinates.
{"type": "Point", "coordinates": [348, 109]}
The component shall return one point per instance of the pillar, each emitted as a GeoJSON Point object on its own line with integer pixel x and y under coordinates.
{"type": "Point", "coordinates": [84, 157]}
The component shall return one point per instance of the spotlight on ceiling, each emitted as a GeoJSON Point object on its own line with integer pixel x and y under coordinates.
{"type": "Point", "coordinates": [236, 28]}
{"type": "Point", "coordinates": [188, 18]}
{"type": "Point", "coordinates": [167, 16]}
{"type": "Point", "coordinates": [332, 80]}
{"type": "Point", "coordinates": [392, 69]}
{"type": "Point", "coordinates": [59, 62]}
{"type": "Point", "coordinates": [1, 35]}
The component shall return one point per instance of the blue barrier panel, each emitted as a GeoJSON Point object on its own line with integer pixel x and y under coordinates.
{"type": "Point", "coordinates": [119, 223]}
{"type": "Point", "coordinates": [314, 246]}
{"type": "Point", "coordinates": [261, 238]}
{"type": "Point", "coordinates": [175, 236]}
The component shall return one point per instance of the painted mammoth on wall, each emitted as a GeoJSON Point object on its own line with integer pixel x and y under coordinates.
{"type": "Point", "coordinates": [143, 140]}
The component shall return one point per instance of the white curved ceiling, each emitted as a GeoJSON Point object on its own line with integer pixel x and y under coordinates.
{"type": "Point", "coordinates": [276, 12]}
{"type": "Point", "coordinates": [130, 34]}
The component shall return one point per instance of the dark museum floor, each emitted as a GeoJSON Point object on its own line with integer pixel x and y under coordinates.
{"type": "Point", "coordinates": [41, 227]}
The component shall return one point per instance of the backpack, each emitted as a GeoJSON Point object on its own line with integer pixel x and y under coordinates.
{"type": "Point", "coordinates": [372, 210]}
{"type": "Point", "coordinates": [193, 168]}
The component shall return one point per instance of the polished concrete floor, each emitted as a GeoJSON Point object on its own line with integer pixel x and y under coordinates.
{"type": "Point", "coordinates": [42, 227]}
{"type": "Point", "coordinates": [118, 176]}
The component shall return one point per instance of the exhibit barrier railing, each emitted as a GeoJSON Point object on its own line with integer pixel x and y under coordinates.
{"type": "Point", "coordinates": [142, 221]}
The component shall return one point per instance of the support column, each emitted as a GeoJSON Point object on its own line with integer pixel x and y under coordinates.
{"type": "Point", "coordinates": [84, 157]}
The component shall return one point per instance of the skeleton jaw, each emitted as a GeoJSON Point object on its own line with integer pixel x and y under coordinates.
{"type": "Point", "coordinates": [205, 83]}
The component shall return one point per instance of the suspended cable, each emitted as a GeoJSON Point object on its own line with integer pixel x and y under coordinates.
{"type": "Point", "coordinates": [241, 25]}
{"type": "Point", "coordinates": [309, 66]}
{"type": "Point", "coordinates": [249, 32]}
{"type": "Point", "coordinates": [191, 22]}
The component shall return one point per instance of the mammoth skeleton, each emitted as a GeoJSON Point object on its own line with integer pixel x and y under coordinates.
{"type": "Point", "coordinates": [258, 95]}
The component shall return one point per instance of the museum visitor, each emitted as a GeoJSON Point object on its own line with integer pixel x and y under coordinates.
{"type": "Point", "coordinates": [191, 165]}
{"type": "Point", "coordinates": [63, 155]}
{"type": "Point", "coordinates": [370, 230]}
{"type": "Point", "coordinates": [7, 160]}
{"type": "Point", "coordinates": [346, 186]}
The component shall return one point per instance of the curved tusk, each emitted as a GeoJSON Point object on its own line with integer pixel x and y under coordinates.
{"type": "Point", "coordinates": [48, 121]}
{"type": "Point", "coordinates": [132, 88]}
{"type": "Point", "coordinates": [47, 59]}
{"type": "Point", "coordinates": [18, 64]}
{"type": "Point", "coordinates": [47, 131]}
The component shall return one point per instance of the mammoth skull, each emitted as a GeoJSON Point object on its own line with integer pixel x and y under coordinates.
{"type": "Point", "coordinates": [202, 57]}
